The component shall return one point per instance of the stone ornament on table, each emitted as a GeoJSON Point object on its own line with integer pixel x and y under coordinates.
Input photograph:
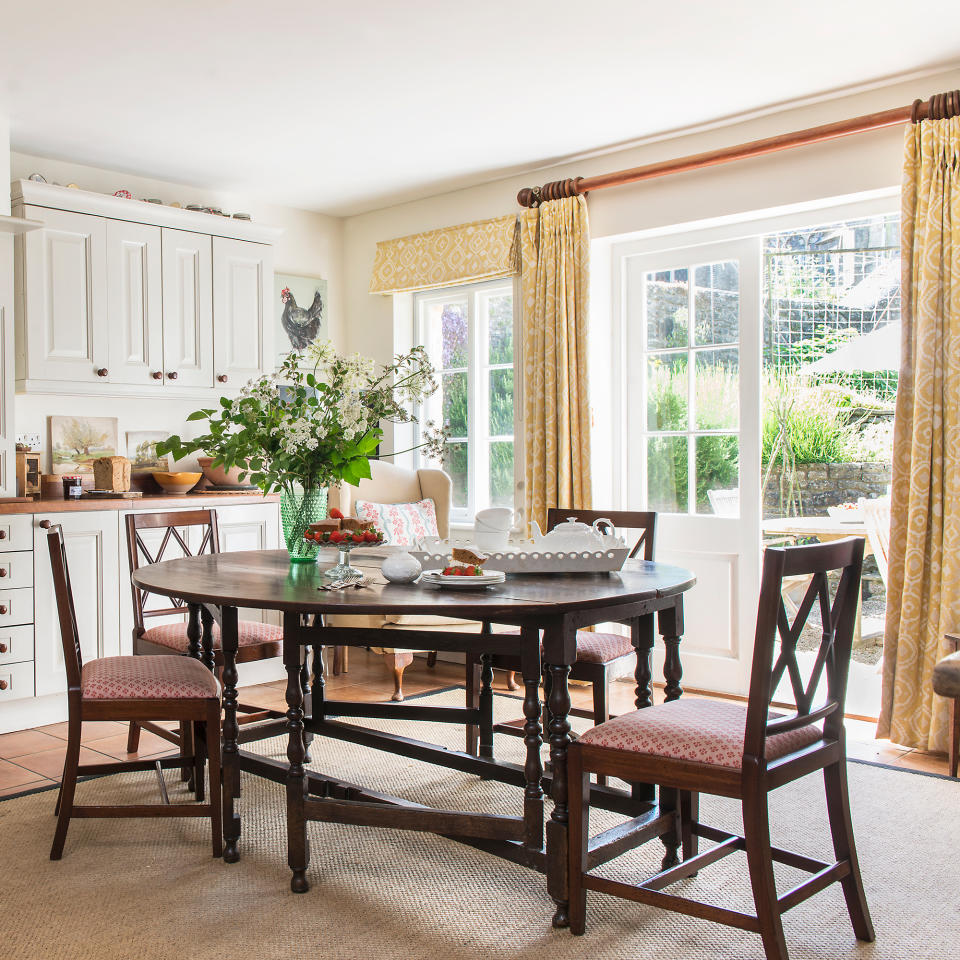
{"type": "Point", "coordinates": [401, 568]}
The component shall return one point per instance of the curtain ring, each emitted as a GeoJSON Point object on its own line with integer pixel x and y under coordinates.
{"type": "Point", "coordinates": [915, 112]}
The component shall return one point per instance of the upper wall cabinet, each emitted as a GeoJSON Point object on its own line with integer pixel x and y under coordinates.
{"type": "Point", "coordinates": [122, 297]}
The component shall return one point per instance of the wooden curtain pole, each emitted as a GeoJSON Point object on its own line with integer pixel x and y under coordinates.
{"type": "Point", "coordinates": [938, 107]}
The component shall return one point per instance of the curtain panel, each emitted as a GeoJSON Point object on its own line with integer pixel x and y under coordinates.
{"type": "Point", "coordinates": [554, 247]}
{"type": "Point", "coordinates": [444, 258]}
{"type": "Point", "coordinates": [923, 592]}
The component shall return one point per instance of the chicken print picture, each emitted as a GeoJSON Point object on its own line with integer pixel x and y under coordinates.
{"type": "Point", "coordinates": [301, 304]}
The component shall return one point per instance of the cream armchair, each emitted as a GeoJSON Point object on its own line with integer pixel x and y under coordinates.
{"type": "Point", "coordinates": [392, 484]}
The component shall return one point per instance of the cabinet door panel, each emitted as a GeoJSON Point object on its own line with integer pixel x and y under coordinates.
{"type": "Point", "coordinates": [187, 309]}
{"type": "Point", "coordinates": [92, 554]}
{"type": "Point", "coordinates": [242, 281]}
{"type": "Point", "coordinates": [65, 288]}
{"type": "Point", "coordinates": [134, 302]}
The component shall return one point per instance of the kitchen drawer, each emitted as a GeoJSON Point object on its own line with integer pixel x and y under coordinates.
{"type": "Point", "coordinates": [16, 570]}
{"type": "Point", "coordinates": [16, 681]}
{"type": "Point", "coordinates": [16, 532]}
{"type": "Point", "coordinates": [16, 606]}
{"type": "Point", "coordinates": [16, 644]}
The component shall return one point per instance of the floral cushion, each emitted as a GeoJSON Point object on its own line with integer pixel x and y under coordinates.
{"type": "Point", "coordinates": [596, 647]}
{"type": "Point", "coordinates": [403, 524]}
{"type": "Point", "coordinates": [174, 635]}
{"type": "Point", "coordinates": [147, 678]}
{"type": "Point", "coordinates": [702, 731]}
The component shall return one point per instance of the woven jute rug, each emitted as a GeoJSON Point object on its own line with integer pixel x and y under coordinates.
{"type": "Point", "coordinates": [130, 889]}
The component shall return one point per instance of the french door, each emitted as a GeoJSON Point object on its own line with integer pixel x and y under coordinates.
{"type": "Point", "coordinates": [691, 438]}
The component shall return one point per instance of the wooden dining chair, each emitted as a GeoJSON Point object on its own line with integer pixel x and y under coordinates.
{"type": "Point", "coordinates": [692, 746]}
{"type": "Point", "coordinates": [258, 641]}
{"type": "Point", "coordinates": [136, 689]}
{"type": "Point", "coordinates": [599, 655]}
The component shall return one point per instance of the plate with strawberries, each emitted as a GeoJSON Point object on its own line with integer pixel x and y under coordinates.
{"type": "Point", "coordinates": [464, 572]}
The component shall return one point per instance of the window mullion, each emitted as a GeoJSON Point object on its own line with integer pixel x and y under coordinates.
{"type": "Point", "coordinates": [480, 426]}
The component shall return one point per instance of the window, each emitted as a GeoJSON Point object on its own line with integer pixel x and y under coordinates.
{"type": "Point", "coordinates": [469, 334]}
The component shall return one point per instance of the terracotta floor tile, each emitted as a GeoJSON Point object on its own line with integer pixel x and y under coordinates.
{"type": "Point", "coordinates": [49, 763]}
{"type": "Point", "coordinates": [32, 785]}
{"type": "Point", "coordinates": [116, 746]}
{"type": "Point", "coordinates": [92, 730]}
{"type": "Point", "coordinates": [12, 775]}
{"type": "Point", "coordinates": [25, 741]}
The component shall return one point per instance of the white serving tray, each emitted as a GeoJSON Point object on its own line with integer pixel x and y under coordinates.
{"type": "Point", "coordinates": [526, 558]}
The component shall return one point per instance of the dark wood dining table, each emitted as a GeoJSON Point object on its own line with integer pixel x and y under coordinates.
{"type": "Point", "coordinates": [548, 610]}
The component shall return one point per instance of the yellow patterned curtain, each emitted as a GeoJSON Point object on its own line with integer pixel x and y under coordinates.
{"type": "Point", "coordinates": [444, 258]}
{"type": "Point", "coordinates": [554, 241]}
{"type": "Point", "coordinates": [923, 592]}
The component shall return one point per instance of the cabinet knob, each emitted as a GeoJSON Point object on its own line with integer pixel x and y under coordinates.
{"type": "Point", "coordinates": [3, 648]}
{"type": "Point", "coordinates": [3, 609]}
{"type": "Point", "coordinates": [157, 374]}
{"type": "Point", "coordinates": [3, 684]}
{"type": "Point", "coordinates": [172, 375]}
{"type": "Point", "coordinates": [44, 524]}
{"type": "Point", "coordinates": [221, 378]}
{"type": "Point", "coordinates": [102, 372]}
{"type": "Point", "coordinates": [3, 573]}
{"type": "Point", "coordinates": [3, 534]}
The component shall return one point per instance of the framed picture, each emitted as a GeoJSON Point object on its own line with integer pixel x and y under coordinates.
{"type": "Point", "coordinates": [301, 310]}
{"type": "Point", "coordinates": [75, 442]}
{"type": "Point", "coordinates": [142, 450]}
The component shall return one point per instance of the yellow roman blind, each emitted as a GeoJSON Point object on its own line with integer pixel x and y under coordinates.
{"type": "Point", "coordinates": [443, 258]}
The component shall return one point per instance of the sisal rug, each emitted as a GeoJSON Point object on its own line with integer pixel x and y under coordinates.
{"type": "Point", "coordinates": [130, 889]}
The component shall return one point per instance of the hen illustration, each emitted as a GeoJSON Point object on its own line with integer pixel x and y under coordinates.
{"type": "Point", "coordinates": [302, 326]}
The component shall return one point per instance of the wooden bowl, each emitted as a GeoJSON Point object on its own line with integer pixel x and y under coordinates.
{"type": "Point", "coordinates": [176, 483]}
{"type": "Point", "coordinates": [219, 476]}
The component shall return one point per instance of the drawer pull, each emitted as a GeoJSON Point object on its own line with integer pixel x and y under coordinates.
{"type": "Point", "coordinates": [44, 524]}
{"type": "Point", "coordinates": [3, 534]}
{"type": "Point", "coordinates": [3, 571]}
{"type": "Point", "coordinates": [3, 684]}
{"type": "Point", "coordinates": [3, 648]}
{"type": "Point", "coordinates": [172, 375]}
{"type": "Point", "coordinates": [222, 378]}
{"type": "Point", "coordinates": [102, 372]}
{"type": "Point", "coordinates": [157, 374]}
{"type": "Point", "coordinates": [3, 609]}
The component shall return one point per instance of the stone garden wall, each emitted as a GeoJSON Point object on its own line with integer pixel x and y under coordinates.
{"type": "Point", "coordinates": [823, 485]}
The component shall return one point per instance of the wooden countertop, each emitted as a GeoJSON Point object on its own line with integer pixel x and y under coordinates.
{"type": "Point", "coordinates": [159, 501]}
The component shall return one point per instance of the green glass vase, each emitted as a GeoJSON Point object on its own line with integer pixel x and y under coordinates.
{"type": "Point", "coordinates": [298, 509]}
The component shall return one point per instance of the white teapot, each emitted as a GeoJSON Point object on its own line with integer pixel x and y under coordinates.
{"type": "Point", "coordinates": [572, 536]}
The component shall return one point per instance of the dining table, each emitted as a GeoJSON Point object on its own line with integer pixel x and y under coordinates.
{"type": "Point", "coordinates": [546, 609]}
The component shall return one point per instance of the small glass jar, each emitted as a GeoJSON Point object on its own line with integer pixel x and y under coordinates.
{"type": "Point", "coordinates": [72, 488]}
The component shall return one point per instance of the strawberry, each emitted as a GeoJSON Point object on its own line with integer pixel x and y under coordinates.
{"type": "Point", "coordinates": [370, 537]}
{"type": "Point", "coordinates": [357, 538]}
{"type": "Point", "coordinates": [335, 536]}
{"type": "Point", "coordinates": [334, 514]}
{"type": "Point", "coordinates": [471, 571]}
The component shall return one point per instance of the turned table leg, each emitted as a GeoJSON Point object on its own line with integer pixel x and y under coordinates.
{"type": "Point", "coordinates": [533, 767]}
{"type": "Point", "coordinates": [558, 824]}
{"type": "Point", "coordinates": [298, 846]}
{"type": "Point", "coordinates": [229, 642]}
{"type": "Point", "coordinates": [642, 633]}
{"type": "Point", "coordinates": [671, 628]}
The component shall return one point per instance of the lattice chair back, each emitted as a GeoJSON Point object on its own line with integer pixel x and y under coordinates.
{"type": "Point", "coordinates": [140, 553]}
{"type": "Point", "coordinates": [838, 618]}
{"type": "Point", "coordinates": [69, 634]}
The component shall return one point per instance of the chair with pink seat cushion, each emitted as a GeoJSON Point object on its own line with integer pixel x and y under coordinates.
{"type": "Point", "coordinates": [161, 688]}
{"type": "Point", "coordinates": [258, 641]}
{"type": "Point", "coordinates": [600, 656]}
{"type": "Point", "coordinates": [741, 751]}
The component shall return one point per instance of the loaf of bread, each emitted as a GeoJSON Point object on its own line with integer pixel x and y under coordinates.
{"type": "Point", "coordinates": [112, 473]}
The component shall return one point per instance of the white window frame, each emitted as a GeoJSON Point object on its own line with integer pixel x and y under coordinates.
{"type": "Point", "coordinates": [478, 369]}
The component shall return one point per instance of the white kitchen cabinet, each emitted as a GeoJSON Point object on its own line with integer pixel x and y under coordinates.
{"type": "Point", "coordinates": [135, 313]}
{"type": "Point", "coordinates": [187, 309]}
{"type": "Point", "coordinates": [242, 288]}
{"type": "Point", "coordinates": [61, 333]}
{"type": "Point", "coordinates": [92, 543]}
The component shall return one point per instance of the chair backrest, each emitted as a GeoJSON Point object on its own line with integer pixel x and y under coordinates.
{"type": "Point", "coordinates": [69, 635]}
{"type": "Point", "coordinates": [724, 503]}
{"type": "Point", "coordinates": [876, 518]}
{"type": "Point", "coordinates": [838, 618]}
{"type": "Point", "coordinates": [389, 483]}
{"type": "Point", "coordinates": [140, 555]}
{"type": "Point", "coordinates": [643, 520]}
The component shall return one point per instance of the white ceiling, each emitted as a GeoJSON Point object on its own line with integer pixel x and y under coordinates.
{"type": "Point", "coordinates": [343, 107]}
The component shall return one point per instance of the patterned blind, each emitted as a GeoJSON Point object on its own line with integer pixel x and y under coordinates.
{"type": "Point", "coordinates": [444, 258]}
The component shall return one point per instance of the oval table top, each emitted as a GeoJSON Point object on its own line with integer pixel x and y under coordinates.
{"type": "Point", "coordinates": [265, 579]}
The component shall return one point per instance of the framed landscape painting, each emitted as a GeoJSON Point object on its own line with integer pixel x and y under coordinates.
{"type": "Point", "coordinates": [75, 442]}
{"type": "Point", "coordinates": [301, 310]}
{"type": "Point", "coordinates": [142, 450]}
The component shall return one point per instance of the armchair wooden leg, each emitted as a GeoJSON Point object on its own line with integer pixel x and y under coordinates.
{"type": "Point", "coordinates": [955, 738]}
{"type": "Point", "coordinates": [398, 662]}
{"type": "Point", "coordinates": [756, 830]}
{"type": "Point", "coordinates": [68, 788]}
{"type": "Point", "coordinates": [199, 761]}
{"type": "Point", "coordinates": [133, 737]}
{"type": "Point", "coordinates": [578, 785]}
{"type": "Point", "coordinates": [512, 680]}
{"type": "Point", "coordinates": [186, 750]}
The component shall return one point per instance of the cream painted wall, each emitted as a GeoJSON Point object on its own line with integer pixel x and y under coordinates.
{"type": "Point", "coordinates": [842, 167]}
{"type": "Point", "coordinates": [4, 163]}
{"type": "Point", "coordinates": [311, 244]}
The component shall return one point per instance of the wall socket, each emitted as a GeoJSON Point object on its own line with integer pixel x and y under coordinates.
{"type": "Point", "coordinates": [31, 440]}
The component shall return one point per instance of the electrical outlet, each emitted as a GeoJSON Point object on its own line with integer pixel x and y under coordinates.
{"type": "Point", "coordinates": [31, 440]}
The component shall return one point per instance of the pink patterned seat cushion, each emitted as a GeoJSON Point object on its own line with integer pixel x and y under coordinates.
{"type": "Point", "coordinates": [174, 635]}
{"type": "Point", "coordinates": [147, 678]}
{"type": "Point", "coordinates": [403, 524]}
{"type": "Point", "coordinates": [702, 731]}
{"type": "Point", "coordinates": [596, 647]}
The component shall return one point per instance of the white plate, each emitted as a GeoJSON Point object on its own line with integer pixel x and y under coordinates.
{"type": "Point", "coordinates": [437, 578]}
